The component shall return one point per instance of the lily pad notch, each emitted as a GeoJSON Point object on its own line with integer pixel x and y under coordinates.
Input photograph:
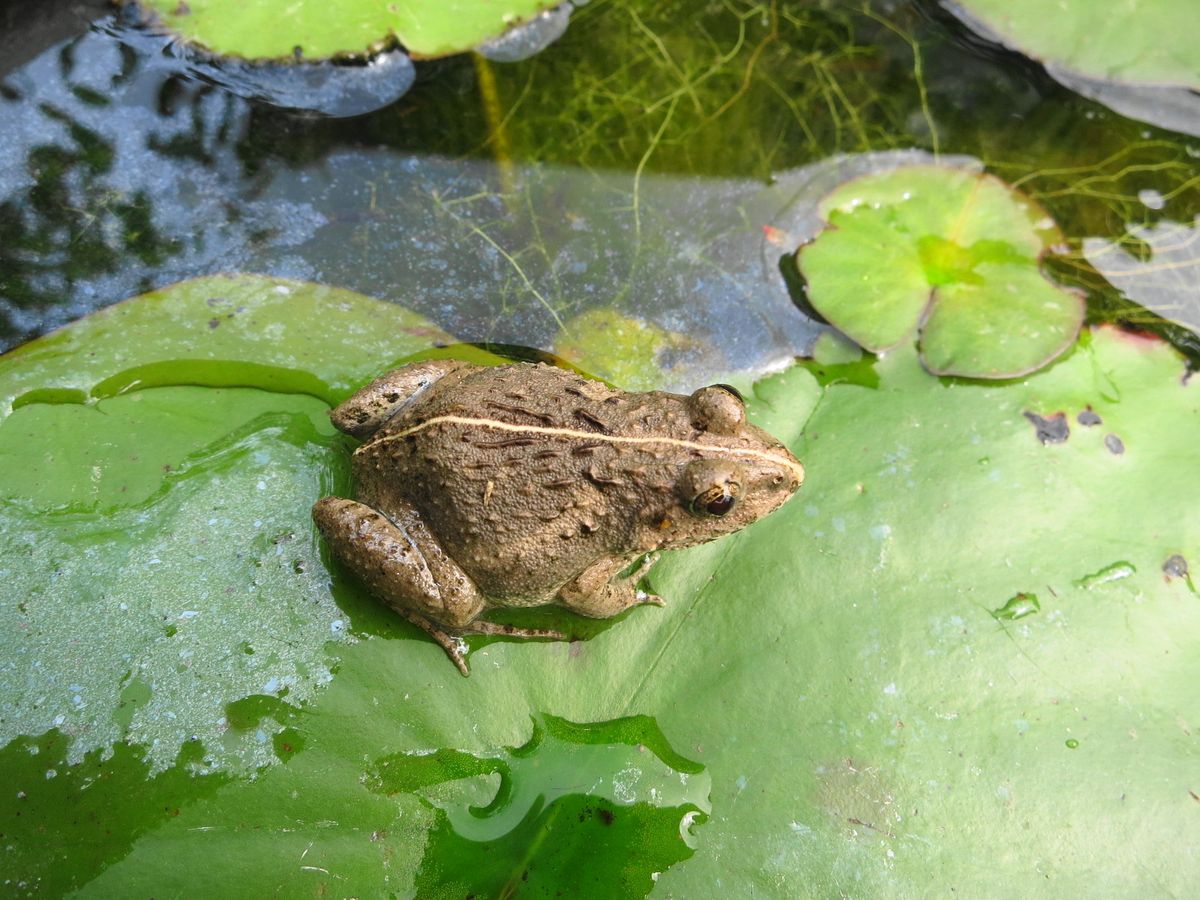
{"type": "Point", "coordinates": [949, 255]}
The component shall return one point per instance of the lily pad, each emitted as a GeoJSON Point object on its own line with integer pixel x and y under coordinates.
{"type": "Point", "coordinates": [953, 253]}
{"type": "Point", "coordinates": [319, 30]}
{"type": "Point", "coordinates": [859, 693]}
{"type": "Point", "coordinates": [208, 432]}
{"type": "Point", "coordinates": [1152, 42]}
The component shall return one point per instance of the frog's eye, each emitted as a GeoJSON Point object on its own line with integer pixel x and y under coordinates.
{"type": "Point", "coordinates": [716, 501]}
{"type": "Point", "coordinates": [717, 408]}
{"type": "Point", "coordinates": [711, 487]}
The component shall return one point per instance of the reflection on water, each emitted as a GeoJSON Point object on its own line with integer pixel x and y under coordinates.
{"type": "Point", "coordinates": [595, 810]}
{"type": "Point", "coordinates": [320, 86]}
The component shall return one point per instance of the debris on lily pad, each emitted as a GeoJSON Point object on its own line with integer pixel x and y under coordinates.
{"type": "Point", "coordinates": [951, 253]}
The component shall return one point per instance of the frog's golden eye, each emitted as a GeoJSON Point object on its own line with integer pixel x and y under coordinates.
{"type": "Point", "coordinates": [717, 408]}
{"type": "Point", "coordinates": [711, 487]}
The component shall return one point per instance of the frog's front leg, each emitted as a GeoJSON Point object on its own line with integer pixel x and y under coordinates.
{"type": "Point", "coordinates": [371, 406]}
{"type": "Point", "coordinates": [404, 565]}
{"type": "Point", "coordinates": [601, 591]}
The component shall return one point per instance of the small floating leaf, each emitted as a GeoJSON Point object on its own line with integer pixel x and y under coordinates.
{"type": "Point", "coordinates": [275, 29]}
{"type": "Point", "coordinates": [952, 252]}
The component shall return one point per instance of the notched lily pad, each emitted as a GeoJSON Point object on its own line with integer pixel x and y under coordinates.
{"type": "Point", "coordinates": [315, 29]}
{"type": "Point", "coordinates": [953, 253]}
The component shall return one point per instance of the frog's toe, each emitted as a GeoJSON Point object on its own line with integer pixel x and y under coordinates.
{"type": "Point", "coordinates": [497, 628]}
{"type": "Point", "coordinates": [455, 646]}
{"type": "Point", "coordinates": [644, 599]}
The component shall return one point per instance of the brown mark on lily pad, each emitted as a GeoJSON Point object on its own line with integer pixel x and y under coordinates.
{"type": "Point", "coordinates": [1051, 430]}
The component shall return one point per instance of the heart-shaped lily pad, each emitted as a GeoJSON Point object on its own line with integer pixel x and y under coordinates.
{"type": "Point", "coordinates": [316, 29]}
{"type": "Point", "coordinates": [963, 644]}
{"type": "Point", "coordinates": [953, 252]}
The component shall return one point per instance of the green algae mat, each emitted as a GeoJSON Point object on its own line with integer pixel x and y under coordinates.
{"type": "Point", "coordinates": [962, 657]}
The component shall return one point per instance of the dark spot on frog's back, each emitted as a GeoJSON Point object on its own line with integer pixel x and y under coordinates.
{"type": "Point", "coordinates": [1051, 430]}
{"type": "Point", "coordinates": [503, 443]}
{"type": "Point", "coordinates": [521, 411]}
{"type": "Point", "coordinates": [592, 421]}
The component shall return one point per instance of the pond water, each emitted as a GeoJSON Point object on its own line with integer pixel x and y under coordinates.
{"type": "Point", "coordinates": [611, 198]}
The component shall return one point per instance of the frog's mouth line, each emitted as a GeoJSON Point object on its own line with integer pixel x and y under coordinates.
{"type": "Point", "coordinates": [745, 452]}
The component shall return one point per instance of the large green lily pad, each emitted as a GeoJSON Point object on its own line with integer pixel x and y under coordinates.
{"type": "Point", "coordinates": [954, 661]}
{"type": "Point", "coordinates": [1151, 42]}
{"type": "Point", "coordinates": [317, 30]}
{"type": "Point", "coordinates": [951, 252]}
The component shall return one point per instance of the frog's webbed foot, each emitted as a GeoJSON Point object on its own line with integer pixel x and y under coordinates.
{"type": "Point", "coordinates": [455, 646]}
{"type": "Point", "coordinates": [643, 598]}
{"type": "Point", "coordinates": [451, 639]}
{"type": "Point", "coordinates": [602, 591]}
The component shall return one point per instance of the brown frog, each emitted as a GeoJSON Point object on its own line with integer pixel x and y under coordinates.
{"type": "Point", "coordinates": [522, 485]}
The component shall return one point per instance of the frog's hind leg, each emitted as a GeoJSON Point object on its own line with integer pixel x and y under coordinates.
{"type": "Point", "coordinates": [371, 406]}
{"type": "Point", "coordinates": [404, 565]}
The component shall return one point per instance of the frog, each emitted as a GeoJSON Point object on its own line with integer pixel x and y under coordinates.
{"type": "Point", "coordinates": [479, 488]}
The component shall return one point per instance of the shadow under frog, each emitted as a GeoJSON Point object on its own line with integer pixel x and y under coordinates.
{"type": "Point", "coordinates": [525, 485]}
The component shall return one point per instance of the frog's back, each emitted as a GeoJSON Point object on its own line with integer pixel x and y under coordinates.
{"type": "Point", "coordinates": [527, 473]}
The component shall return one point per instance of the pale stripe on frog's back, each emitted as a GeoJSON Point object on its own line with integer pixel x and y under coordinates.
{"type": "Point", "coordinates": [553, 432]}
